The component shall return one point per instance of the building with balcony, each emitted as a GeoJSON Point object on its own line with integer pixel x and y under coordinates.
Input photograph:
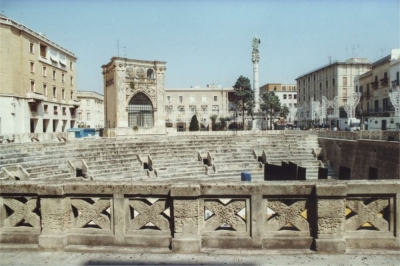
{"type": "Point", "coordinates": [91, 109]}
{"type": "Point", "coordinates": [335, 79]}
{"type": "Point", "coordinates": [375, 85]}
{"type": "Point", "coordinates": [38, 85]}
{"type": "Point", "coordinates": [287, 94]}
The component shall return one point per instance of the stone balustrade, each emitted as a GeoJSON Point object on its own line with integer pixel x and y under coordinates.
{"type": "Point", "coordinates": [37, 137]}
{"type": "Point", "coordinates": [327, 216]}
{"type": "Point", "coordinates": [363, 134]}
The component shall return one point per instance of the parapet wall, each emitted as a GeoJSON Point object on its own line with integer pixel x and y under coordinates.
{"type": "Point", "coordinates": [360, 155]}
{"type": "Point", "coordinates": [328, 216]}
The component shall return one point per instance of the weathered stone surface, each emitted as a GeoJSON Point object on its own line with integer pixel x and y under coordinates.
{"type": "Point", "coordinates": [331, 216]}
{"type": "Point", "coordinates": [225, 214]}
{"type": "Point", "coordinates": [91, 213]}
{"type": "Point", "coordinates": [186, 217]}
{"type": "Point", "coordinates": [367, 214]}
{"type": "Point", "coordinates": [185, 190]}
{"type": "Point", "coordinates": [149, 214]}
{"type": "Point", "coordinates": [287, 214]}
{"type": "Point", "coordinates": [21, 212]}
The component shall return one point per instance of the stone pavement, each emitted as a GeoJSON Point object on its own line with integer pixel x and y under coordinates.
{"type": "Point", "coordinates": [124, 256]}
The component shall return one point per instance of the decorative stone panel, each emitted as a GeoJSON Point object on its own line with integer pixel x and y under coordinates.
{"type": "Point", "coordinates": [152, 214]}
{"type": "Point", "coordinates": [289, 215]}
{"type": "Point", "coordinates": [225, 215]}
{"type": "Point", "coordinates": [91, 213]}
{"type": "Point", "coordinates": [21, 212]}
{"type": "Point", "coordinates": [367, 214]}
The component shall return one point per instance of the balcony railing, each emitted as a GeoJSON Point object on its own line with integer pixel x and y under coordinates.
{"type": "Point", "coordinates": [375, 85]}
{"type": "Point", "coordinates": [395, 83]}
{"type": "Point", "coordinates": [384, 82]}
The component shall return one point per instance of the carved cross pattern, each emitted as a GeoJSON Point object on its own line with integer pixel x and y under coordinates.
{"type": "Point", "coordinates": [91, 212]}
{"type": "Point", "coordinates": [22, 211]}
{"type": "Point", "coordinates": [149, 213]}
{"type": "Point", "coordinates": [225, 214]}
{"type": "Point", "coordinates": [287, 214]}
{"type": "Point", "coordinates": [367, 214]}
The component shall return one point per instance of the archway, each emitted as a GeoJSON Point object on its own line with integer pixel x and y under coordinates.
{"type": "Point", "coordinates": [140, 111]}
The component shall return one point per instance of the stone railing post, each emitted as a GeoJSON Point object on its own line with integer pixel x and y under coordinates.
{"type": "Point", "coordinates": [330, 218]}
{"type": "Point", "coordinates": [186, 233]}
{"type": "Point", "coordinates": [56, 218]}
{"type": "Point", "coordinates": [119, 218]}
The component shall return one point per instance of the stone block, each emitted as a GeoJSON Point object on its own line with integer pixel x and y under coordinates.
{"type": "Point", "coordinates": [330, 245]}
{"type": "Point", "coordinates": [186, 245]}
{"type": "Point", "coordinates": [52, 241]}
{"type": "Point", "coordinates": [185, 190]}
{"type": "Point", "coordinates": [287, 243]}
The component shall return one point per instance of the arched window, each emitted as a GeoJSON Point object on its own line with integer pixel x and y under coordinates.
{"type": "Point", "coordinates": [150, 73]}
{"type": "Point", "coordinates": [140, 111]}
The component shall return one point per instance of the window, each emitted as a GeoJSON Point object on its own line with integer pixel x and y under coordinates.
{"type": "Point", "coordinates": [44, 71]}
{"type": "Point", "coordinates": [71, 79]}
{"type": "Point", "coordinates": [181, 109]}
{"type": "Point", "coordinates": [31, 47]}
{"type": "Point", "coordinates": [80, 116]}
{"type": "Point", "coordinates": [180, 99]}
{"type": "Point", "coordinates": [215, 98]}
{"type": "Point", "coordinates": [344, 92]}
{"type": "Point", "coordinates": [88, 116]}
{"type": "Point", "coordinates": [344, 81]}
{"type": "Point", "coordinates": [43, 50]}
{"type": "Point", "coordinates": [32, 64]}
{"type": "Point", "coordinates": [356, 88]}
{"type": "Point", "coordinates": [64, 111]}
{"type": "Point", "coordinates": [70, 66]}
{"type": "Point", "coordinates": [87, 102]}
{"type": "Point", "coordinates": [204, 99]}
{"type": "Point", "coordinates": [295, 105]}
{"type": "Point", "coordinates": [191, 98]}
{"type": "Point", "coordinates": [290, 96]}
{"type": "Point", "coordinates": [62, 77]}
{"type": "Point", "coordinates": [63, 94]}
{"type": "Point", "coordinates": [55, 110]}
{"type": "Point", "coordinates": [45, 89]}
{"type": "Point", "coordinates": [215, 109]}
{"type": "Point", "coordinates": [333, 82]}
{"type": "Point", "coordinates": [72, 95]}
{"type": "Point", "coordinates": [290, 105]}
{"type": "Point", "coordinates": [168, 98]}
{"type": "Point", "coordinates": [274, 88]}
{"type": "Point", "coordinates": [54, 74]}
{"type": "Point", "coordinates": [32, 85]}
{"type": "Point", "coordinates": [45, 108]}
{"type": "Point", "coordinates": [295, 96]}
{"type": "Point", "coordinates": [54, 92]}
{"type": "Point", "coordinates": [204, 109]}
{"type": "Point", "coordinates": [284, 96]}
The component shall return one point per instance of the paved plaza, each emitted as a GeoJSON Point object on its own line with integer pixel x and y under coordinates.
{"type": "Point", "coordinates": [129, 256]}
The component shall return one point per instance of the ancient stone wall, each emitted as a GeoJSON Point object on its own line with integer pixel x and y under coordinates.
{"type": "Point", "coordinates": [327, 216]}
{"type": "Point", "coordinates": [359, 155]}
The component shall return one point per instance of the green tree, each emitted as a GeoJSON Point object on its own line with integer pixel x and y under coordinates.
{"type": "Point", "coordinates": [271, 105]}
{"type": "Point", "coordinates": [213, 119]}
{"type": "Point", "coordinates": [194, 124]}
{"type": "Point", "coordinates": [244, 96]}
{"type": "Point", "coordinates": [284, 111]}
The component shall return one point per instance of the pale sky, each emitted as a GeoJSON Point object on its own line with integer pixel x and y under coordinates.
{"type": "Point", "coordinates": [205, 42]}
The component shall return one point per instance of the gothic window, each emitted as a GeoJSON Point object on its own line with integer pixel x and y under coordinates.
{"type": "Point", "coordinates": [140, 111]}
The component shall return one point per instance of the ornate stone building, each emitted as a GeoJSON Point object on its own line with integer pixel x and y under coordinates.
{"type": "Point", "coordinates": [134, 95]}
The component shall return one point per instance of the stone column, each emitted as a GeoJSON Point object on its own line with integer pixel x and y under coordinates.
{"type": "Point", "coordinates": [255, 58]}
{"type": "Point", "coordinates": [186, 236]}
{"type": "Point", "coordinates": [56, 218]}
{"type": "Point", "coordinates": [330, 218]}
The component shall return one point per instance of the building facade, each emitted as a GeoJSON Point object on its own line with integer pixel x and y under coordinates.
{"type": "Point", "coordinates": [335, 82]}
{"type": "Point", "coordinates": [38, 82]}
{"type": "Point", "coordinates": [287, 94]}
{"type": "Point", "coordinates": [375, 85]}
{"type": "Point", "coordinates": [134, 95]}
{"type": "Point", "coordinates": [91, 109]}
{"type": "Point", "coordinates": [181, 104]}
